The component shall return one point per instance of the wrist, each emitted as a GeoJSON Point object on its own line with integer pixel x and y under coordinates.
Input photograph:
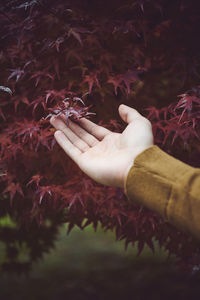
{"type": "Point", "coordinates": [137, 152]}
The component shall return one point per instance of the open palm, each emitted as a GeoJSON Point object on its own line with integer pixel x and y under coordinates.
{"type": "Point", "coordinates": [104, 155]}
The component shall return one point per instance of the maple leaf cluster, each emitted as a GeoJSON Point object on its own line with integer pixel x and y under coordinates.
{"type": "Point", "coordinates": [71, 57]}
{"type": "Point", "coordinates": [177, 126]}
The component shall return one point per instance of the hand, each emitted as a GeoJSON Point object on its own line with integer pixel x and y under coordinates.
{"type": "Point", "coordinates": [104, 155]}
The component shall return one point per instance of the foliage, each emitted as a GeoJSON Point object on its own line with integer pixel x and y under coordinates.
{"type": "Point", "coordinates": [74, 55]}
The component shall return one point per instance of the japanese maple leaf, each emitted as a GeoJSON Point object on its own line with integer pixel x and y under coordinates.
{"type": "Point", "coordinates": [37, 102]}
{"type": "Point", "coordinates": [25, 131]}
{"type": "Point", "coordinates": [77, 197]}
{"type": "Point", "coordinates": [27, 4]}
{"type": "Point", "coordinates": [5, 89]}
{"type": "Point", "coordinates": [17, 100]}
{"type": "Point", "coordinates": [57, 43]}
{"type": "Point", "coordinates": [35, 179]}
{"type": "Point", "coordinates": [73, 112]}
{"type": "Point", "coordinates": [117, 213]}
{"type": "Point", "coordinates": [45, 139]}
{"type": "Point", "coordinates": [44, 192]}
{"type": "Point", "coordinates": [70, 108]}
{"type": "Point", "coordinates": [195, 118]}
{"type": "Point", "coordinates": [5, 141]}
{"type": "Point", "coordinates": [128, 78]}
{"type": "Point", "coordinates": [38, 75]}
{"type": "Point", "coordinates": [92, 79]}
{"type": "Point", "coordinates": [153, 113]}
{"type": "Point", "coordinates": [187, 102]}
{"type": "Point", "coordinates": [76, 35]}
{"type": "Point", "coordinates": [169, 129]}
{"type": "Point", "coordinates": [116, 81]}
{"type": "Point", "coordinates": [185, 133]}
{"type": "Point", "coordinates": [166, 112]}
{"type": "Point", "coordinates": [159, 127]}
{"type": "Point", "coordinates": [13, 149]}
{"type": "Point", "coordinates": [57, 95]}
{"type": "Point", "coordinates": [29, 62]}
{"type": "Point", "coordinates": [12, 189]}
{"type": "Point", "coordinates": [18, 73]}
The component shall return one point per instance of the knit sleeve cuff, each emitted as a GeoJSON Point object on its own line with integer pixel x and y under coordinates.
{"type": "Point", "coordinates": [150, 180]}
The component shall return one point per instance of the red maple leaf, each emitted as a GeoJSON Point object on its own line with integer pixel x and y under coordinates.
{"type": "Point", "coordinates": [17, 100]}
{"type": "Point", "coordinates": [44, 192]}
{"type": "Point", "coordinates": [6, 89]}
{"type": "Point", "coordinates": [76, 35]}
{"type": "Point", "coordinates": [35, 179]}
{"type": "Point", "coordinates": [126, 78]}
{"type": "Point", "coordinates": [154, 113]}
{"type": "Point", "coordinates": [18, 73]}
{"type": "Point", "coordinates": [5, 141]}
{"type": "Point", "coordinates": [37, 102]}
{"type": "Point", "coordinates": [55, 95]}
{"type": "Point", "coordinates": [92, 79]}
{"type": "Point", "coordinates": [57, 43]}
{"type": "Point", "coordinates": [45, 139]}
{"type": "Point", "coordinates": [187, 102]}
{"type": "Point", "coordinates": [39, 74]}
{"type": "Point", "coordinates": [116, 81]}
{"type": "Point", "coordinates": [12, 189]}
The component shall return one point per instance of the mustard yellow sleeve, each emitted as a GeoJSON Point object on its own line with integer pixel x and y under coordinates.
{"type": "Point", "coordinates": [168, 186]}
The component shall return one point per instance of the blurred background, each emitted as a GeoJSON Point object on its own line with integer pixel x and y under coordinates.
{"type": "Point", "coordinates": [90, 265]}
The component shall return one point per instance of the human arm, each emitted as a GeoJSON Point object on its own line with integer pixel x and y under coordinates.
{"type": "Point", "coordinates": [166, 185]}
{"type": "Point", "coordinates": [129, 160]}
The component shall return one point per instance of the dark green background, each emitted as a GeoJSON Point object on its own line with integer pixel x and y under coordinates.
{"type": "Point", "coordinates": [89, 265]}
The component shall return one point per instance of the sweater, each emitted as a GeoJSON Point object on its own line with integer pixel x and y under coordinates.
{"type": "Point", "coordinates": [168, 186]}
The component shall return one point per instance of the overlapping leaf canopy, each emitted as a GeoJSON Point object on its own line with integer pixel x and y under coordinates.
{"type": "Point", "coordinates": [141, 53]}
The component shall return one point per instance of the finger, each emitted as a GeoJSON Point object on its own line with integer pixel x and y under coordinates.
{"type": "Point", "coordinates": [73, 152]}
{"type": "Point", "coordinates": [97, 131]}
{"type": "Point", "coordinates": [59, 124]}
{"type": "Point", "coordinates": [129, 114]}
{"type": "Point", "coordinates": [83, 134]}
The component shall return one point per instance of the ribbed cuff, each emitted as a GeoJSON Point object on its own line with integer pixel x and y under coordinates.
{"type": "Point", "coordinates": [151, 178]}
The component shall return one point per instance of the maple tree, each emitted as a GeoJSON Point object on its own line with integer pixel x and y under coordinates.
{"type": "Point", "coordinates": [84, 58]}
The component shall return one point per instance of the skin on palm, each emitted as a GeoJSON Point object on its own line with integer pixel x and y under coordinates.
{"type": "Point", "coordinates": [103, 155]}
{"type": "Point", "coordinates": [106, 162]}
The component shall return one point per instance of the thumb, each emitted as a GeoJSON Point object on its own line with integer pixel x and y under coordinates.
{"type": "Point", "coordinates": [128, 114]}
